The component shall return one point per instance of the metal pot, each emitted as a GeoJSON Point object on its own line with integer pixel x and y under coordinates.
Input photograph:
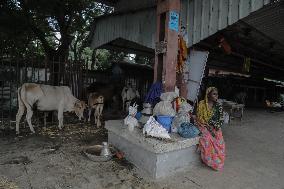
{"type": "Point", "coordinates": [105, 150]}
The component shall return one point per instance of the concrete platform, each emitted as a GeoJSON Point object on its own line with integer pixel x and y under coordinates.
{"type": "Point", "coordinates": [154, 158]}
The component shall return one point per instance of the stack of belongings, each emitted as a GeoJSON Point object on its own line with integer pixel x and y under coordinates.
{"type": "Point", "coordinates": [130, 121]}
{"type": "Point", "coordinates": [182, 124]}
{"type": "Point", "coordinates": [146, 113]}
{"type": "Point", "coordinates": [164, 107]}
{"type": "Point", "coordinates": [164, 119]}
{"type": "Point", "coordinates": [164, 112]}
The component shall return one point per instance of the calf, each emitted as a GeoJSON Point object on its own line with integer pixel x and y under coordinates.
{"type": "Point", "coordinates": [108, 90]}
{"type": "Point", "coordinates": [127, 95]}
{"type": "Point", "coordinates": [96, 101]}
{"type": "Point", "coordinates": [47, 98]}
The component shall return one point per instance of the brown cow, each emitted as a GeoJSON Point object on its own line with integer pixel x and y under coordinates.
{"type": "Point", "coordinates": [96, 101]}
{"type": "Point", "coordinates": [110, 92]}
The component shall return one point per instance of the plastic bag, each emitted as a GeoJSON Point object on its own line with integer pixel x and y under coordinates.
{"type": "Point", "coordinates": [155, 129]}
{"type": "Point", "coordinates": [164, 108]}
{"type": "Point", "coordinates": [188, 130]}
{"type": "Point", "coordinates": [182, 116]}
{"type": "Point", "coordinates": [168, 96]}
{"type": "Point", "coordinates": [130, 121]}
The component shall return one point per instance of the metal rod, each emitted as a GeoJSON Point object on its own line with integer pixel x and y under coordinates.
{"type": "Point", "coordinates": [45, 71]}
{"type": "Point", "coordinates": [17, 83]}
{"type": "Point", "coordinates": [33, 71]}
{"type": "Point", "coordinates": [10, 93]}
{"type": "Point", "coordinates": [38, 69]}
{"type": "Point", "coordinates": [59, 73]}
{"type": "Point", "coordinates": [53, 74]}
{"type": "Point", "coordinates": [2, 98]}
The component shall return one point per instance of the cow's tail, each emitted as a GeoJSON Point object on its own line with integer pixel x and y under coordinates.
{"type": "Point", "coordinates": [21, 109]}
{"type": "Point", "coordinates": [20, 99]}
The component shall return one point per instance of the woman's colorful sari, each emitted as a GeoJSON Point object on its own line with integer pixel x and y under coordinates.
{"type": "Point", "coordinates": [211, 142]}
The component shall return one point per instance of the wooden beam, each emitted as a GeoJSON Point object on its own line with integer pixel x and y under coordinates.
{"type": "Point", "coordinates": [250, 50]}
{"type": "Point", "coordinates": [261, 33]}
{"type": "Point", "coordinates": [253, 59]}
{"type": "Point", "coordinates": [258, 61]}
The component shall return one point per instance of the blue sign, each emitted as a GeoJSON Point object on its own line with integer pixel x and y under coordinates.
{"type": "Point", "coordinates": [174, 21]}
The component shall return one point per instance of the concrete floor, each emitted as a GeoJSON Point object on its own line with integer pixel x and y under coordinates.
{"type": "Point", "coordinates": [255, 159]}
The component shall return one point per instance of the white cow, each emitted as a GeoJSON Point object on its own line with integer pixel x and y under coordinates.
{"type": "Point", "coordinates": [47, 98]}
{"type": "Point", "coordinates": [96, 101]}
{"type": "Point", "coordinates": [128, 94]}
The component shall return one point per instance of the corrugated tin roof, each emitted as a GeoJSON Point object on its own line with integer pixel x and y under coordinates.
{"type": "Point", "coordinates": [203, 18]}
{"type": "Point", "coordinates": [126, 5]}
{"type": "Point", "coordinates": [269, 21]}
{"type": "Point", "coordinates": [137, 27]}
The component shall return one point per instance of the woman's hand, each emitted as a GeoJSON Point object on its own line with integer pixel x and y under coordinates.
{"type": "Point", "coordinates": [193, 116]}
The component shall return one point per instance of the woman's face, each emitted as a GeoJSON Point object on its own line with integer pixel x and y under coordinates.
{"type": "Point", "coordinates": [213, 96]}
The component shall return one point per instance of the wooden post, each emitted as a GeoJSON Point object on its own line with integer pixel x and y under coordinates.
{"type": "Point", "coordinates": [168, 13]}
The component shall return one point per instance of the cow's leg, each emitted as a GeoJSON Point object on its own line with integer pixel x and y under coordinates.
{"type": "Point", "coordinates": [97, 116]}
{"type": "Point", "coordinates": [123, 104]}
{"type": "Point", "coordinates": [90, 112]}
{"type": "Point", "coordinates": [29, 118]}
{"type": "Point", "coordinates": [60, 117]}
{"type": "Point", "coordinates": [100, 113]}
{"type": "Point", "coordinates": [19, 115]}
{"type": "Point", "coordinates": [99, 124]}
{"type": "Point", "coordinates": [45, 115]}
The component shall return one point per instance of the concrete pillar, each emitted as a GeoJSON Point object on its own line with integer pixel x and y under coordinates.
{"type": "Point", "coordinates": [182, 85]}
{"type": "Point", "coordinates": [166, 55]}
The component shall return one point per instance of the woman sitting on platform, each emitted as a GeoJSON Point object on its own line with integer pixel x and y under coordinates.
{"type": "Point", "coordinates": [210, 120]}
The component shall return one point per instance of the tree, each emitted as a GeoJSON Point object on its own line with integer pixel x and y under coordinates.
{"type": "Point", "coordinates": [55, 23]}
{"type": "Point", "coordinates": [16, 40]}
{"type": "Point", "coordinates": [140, 59]}
{"type": "Point", "coordinates": [78, 46]}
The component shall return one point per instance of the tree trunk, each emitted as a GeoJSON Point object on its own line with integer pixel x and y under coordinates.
{"type": "Point", "coordinates": [57, 59]}
{"type": "Point", "coordinates": [56, 67]}
{"type": "Point", "coordinates": [94, 61]}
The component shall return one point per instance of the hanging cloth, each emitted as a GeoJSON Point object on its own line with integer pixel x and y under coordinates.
{"type": "Point", "coordinates": [246, 65]}
{"type": "Point", "coordinates": [153, 95]}
{"type": "Point", "coordinates": [225, 45]}
{"type": "Point", "coordinates": [182, 54]}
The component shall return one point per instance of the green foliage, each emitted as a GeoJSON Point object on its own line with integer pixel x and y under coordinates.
{"type": "Point", "coordinates": [54, 28]}
{"type": "Point", "coordinates": [139, 59]}
{"type": "Point", "coordinates": [55, 23]}
{"type": "Point", "coordinates": [103, 59]}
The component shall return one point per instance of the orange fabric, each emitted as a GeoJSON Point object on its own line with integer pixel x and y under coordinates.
{"type": "Point", "coordinates": [182, 54]}
{"type": "Point", "coordinates": [225, 45]}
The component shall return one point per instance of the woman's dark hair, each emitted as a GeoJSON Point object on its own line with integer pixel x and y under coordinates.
{"type": "Point", "coordinates": [214, 89]}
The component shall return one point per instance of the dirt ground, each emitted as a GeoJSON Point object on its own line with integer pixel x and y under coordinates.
{"type": "Point", "coordinates": [53, 159]}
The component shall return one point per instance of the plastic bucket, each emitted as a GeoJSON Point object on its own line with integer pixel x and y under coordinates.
{"type": "Point", "coordinates": [138, 115]}
{"type": "Point", "coordinates": [165, 121]}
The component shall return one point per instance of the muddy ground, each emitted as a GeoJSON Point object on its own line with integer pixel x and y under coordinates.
{"type": "Point", "coordinates": [53, 159]}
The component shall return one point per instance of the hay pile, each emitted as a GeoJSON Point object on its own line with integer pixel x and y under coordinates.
{"type": "Point", "coordinates": [70, 132]}
{"type": "Point", "coordinates": [6, 184]}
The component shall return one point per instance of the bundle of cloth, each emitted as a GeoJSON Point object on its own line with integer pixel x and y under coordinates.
{"type": "Point", "coordinates": [130, 121]}
{"type": "Point", "coordinates": [183, 116]}
{"type": "Point", "coordinates": [164, 107]}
